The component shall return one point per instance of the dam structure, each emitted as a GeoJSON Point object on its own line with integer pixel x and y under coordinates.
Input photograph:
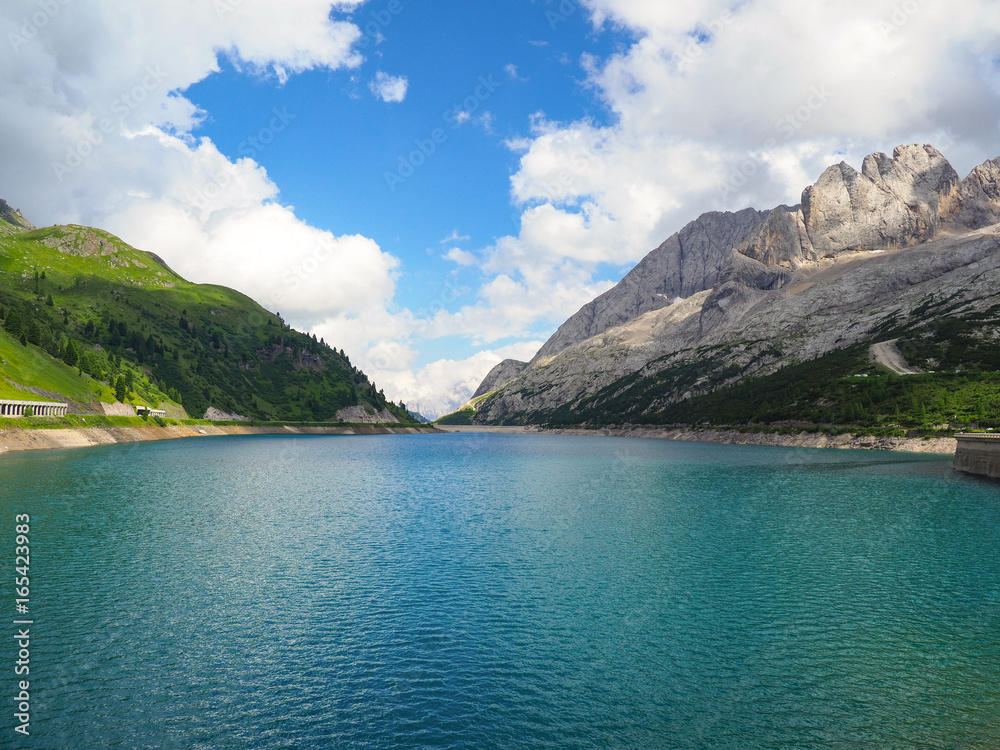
{"type": "Point", "coordinates": [978, 453]}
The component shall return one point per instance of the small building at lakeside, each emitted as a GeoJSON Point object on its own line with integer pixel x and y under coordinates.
{"type": "Point", "coordinates": [11, 408]}
{"type": "Point", "coordinates": [146, 411]}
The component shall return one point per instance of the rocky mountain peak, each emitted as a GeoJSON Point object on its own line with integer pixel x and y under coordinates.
{"type": "Point", "coordinates": [14, 217]}
{"type": "Point", "coordinates": [979, 196]}
{"type": "Point", "coordinates": [893, 202]}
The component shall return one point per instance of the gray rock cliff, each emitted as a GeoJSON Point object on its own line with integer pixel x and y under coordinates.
{"type": "Point", "coordinates": [688, 262]}
{"type": "Point", "coordinates": [499, 376]}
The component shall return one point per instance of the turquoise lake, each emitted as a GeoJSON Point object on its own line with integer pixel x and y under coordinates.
{"type": "Point", "coordinates": [496, 591]}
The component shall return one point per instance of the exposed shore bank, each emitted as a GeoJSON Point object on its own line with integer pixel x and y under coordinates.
{"type": "Point", "coordinates": [87, 437]}
{"type": "Point", "coordinates": [943, 446]}
{"type": "Point", "coordinates": [21, 439]}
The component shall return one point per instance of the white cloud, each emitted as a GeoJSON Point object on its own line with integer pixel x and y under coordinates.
{"type": "Point", "coordinates": [389, 88]}
{"type": "Point", "coordinates": [459, 256]}
{"type": "Point", "coordinates": [511, 70]}
{"type": "Point", "coordinates": [443, 386]}
{"type": "Point", "coordinates": [96, 133]}
{"type": "Point", "coordinates": [455, 237]}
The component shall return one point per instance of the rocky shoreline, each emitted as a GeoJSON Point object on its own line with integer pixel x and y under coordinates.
{"type": "Point", "coordinates": [943, 446]}
{"type": "Point", "coordinates": [14, 440]}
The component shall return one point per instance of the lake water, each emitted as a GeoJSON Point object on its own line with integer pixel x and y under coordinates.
{"type": "Point", "coordinates": [494, 591]}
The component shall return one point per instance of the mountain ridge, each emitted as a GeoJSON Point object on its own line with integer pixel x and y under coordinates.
{"type": "Point", "coordinates": [775, 291]}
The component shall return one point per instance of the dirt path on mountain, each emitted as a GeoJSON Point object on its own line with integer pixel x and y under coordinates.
{"type": "Point", "coordinates": [886, 353]}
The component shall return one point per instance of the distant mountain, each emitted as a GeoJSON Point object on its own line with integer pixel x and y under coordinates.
{"type": "Point", "coordinates": [903, 254]}
{"type": "Point", "coordinates": [85, 315]}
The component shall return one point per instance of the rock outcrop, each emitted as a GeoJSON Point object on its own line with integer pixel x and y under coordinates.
{"type": "Point", "coordinates": [81, 241]}
{"type": "Point", "coordinates": [14, 217]}
{"type": "Point", "coordinates": [979, 197]}
{"type": "Point", "coordinates": [218, 415]}
{"type": "Point", "coordinates": [897, 202]}
{"type": "Point", "coordinates": [117, 409]}
{"type": "Point", "coordinates": [499, 376]}
{"type": "Point", "coordinates": [365, 415]}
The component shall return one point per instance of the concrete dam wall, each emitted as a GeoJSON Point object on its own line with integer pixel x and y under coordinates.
{"type": "Point", "coordinates": [978, 453]}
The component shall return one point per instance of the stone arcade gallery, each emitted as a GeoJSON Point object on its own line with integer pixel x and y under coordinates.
{"type": "Point", "coordinates": [38, 408]}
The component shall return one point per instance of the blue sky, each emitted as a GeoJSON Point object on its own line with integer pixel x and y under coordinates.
{"type": "Point", "coordinates": [248, 143]}
{"type": "Point", "coordinates": [501, 63]}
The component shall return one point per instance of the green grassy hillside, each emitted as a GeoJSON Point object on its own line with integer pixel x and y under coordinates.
{"type": "Point", "coordinates": [86, 317]}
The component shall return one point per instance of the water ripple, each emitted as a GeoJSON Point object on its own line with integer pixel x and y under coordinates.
{"type": "Point", "coordinates": [508, 592]}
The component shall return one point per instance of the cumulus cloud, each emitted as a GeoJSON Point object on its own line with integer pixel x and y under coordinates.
{"type": "Point", "coordinates": [457, 255]}
{"type": "Point", "coordinates": [443, 386]}
{"type": "Point", "coordinates": [389, 88]}
{"type": "Point", "coordinates": [97, 131]}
